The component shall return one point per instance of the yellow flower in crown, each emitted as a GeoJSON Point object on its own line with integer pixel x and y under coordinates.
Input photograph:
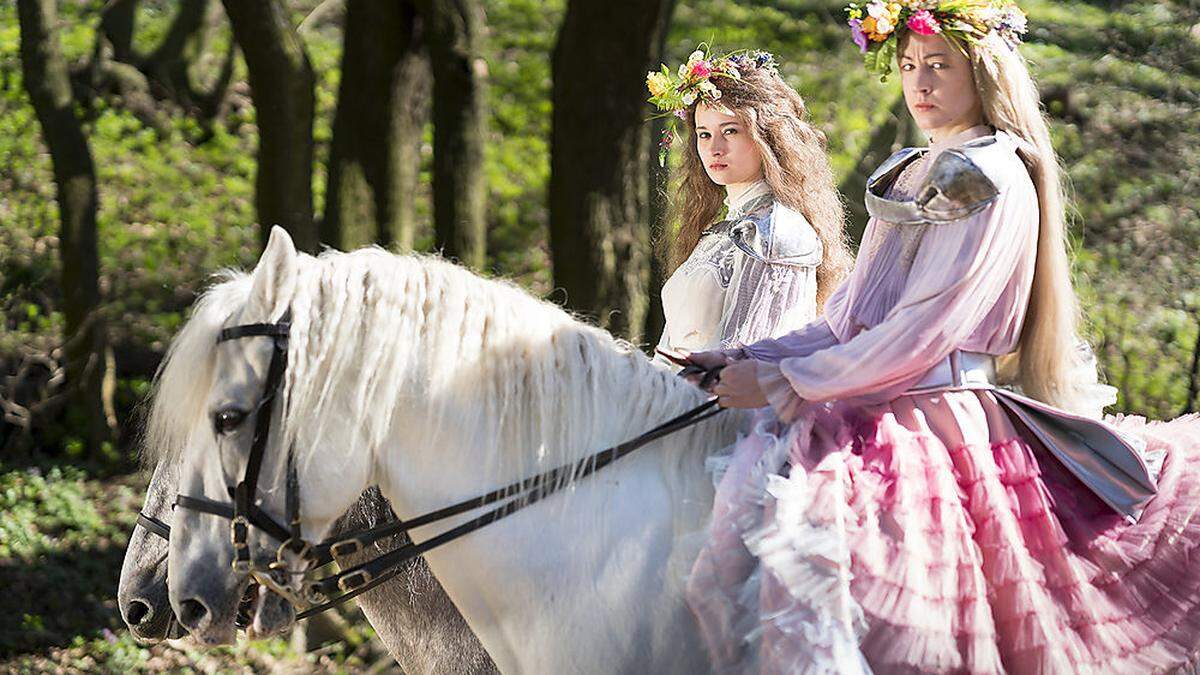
{"type": "Point", "coordinates": [658, 83]}
{"type": "Point", "coordinates": [674, 92]}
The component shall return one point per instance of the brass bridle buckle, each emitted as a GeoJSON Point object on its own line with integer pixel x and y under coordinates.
{"type": "Point", "coordinates": [267, 579]}
{"type": "Point", "coordinates": [346, 547]}
{"type": "Point", "coordinates": [239, 533]}
{"type": "Point", "coordinates": [352, 581]}
{"type": "Point", "coordinates": [301, 548]}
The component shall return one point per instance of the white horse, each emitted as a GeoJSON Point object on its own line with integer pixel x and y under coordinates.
{"type": "Point", "coordinates": [437, 385]}
{"type": "Point", "coordinates": [411, 613]}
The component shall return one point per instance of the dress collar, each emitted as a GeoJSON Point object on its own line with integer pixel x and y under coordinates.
{"type": "Point", "coordinates": [978, 131]}
{"type": "Point", "coordinates": [740, 206]}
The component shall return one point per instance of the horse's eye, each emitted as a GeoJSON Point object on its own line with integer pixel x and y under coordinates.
{"type": "Point", "coordinates": [227, 419]}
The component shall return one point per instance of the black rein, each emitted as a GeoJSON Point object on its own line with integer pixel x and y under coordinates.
{"type": "Point", "coordinates": [243, 511]}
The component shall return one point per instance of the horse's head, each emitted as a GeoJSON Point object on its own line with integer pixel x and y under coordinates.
{"type": "Point", "coordinates": [142, 592]}
{"type": "Point", "coordinates": [205, 588]}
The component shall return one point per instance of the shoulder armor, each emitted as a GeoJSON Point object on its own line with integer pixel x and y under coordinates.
{"type": "Point", "coordinates": [961, 182]}
{"type": "Point", "coordinates": [777, 235]}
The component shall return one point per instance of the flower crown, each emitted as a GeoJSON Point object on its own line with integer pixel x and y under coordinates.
{"type": "Point", "coordinates": [873, 25]}
{"type": "Point", "coordinates": [673, 93]}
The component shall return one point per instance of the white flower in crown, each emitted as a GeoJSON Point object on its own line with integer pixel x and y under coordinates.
{"type": "Point", "coordinates": [697, 55]}
{"type": "Point", "coordinates": [990, 15]}
{"type": "Point", "coordinates": [884, 25]}
{"type": "Point", "coordinates": [878, 10]}
{"type": "Point", "coordinates": [710, 90]}
{"type": "Point", "coordinates": [689, 98]}
{"type": "Point", "coordinates": [1014, 22]}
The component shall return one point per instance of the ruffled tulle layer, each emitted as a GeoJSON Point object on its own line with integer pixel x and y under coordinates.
{"type": "Point", "coordinates": [928, 536]}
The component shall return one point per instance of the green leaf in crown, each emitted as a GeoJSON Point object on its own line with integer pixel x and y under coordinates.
{"type": "Point", "coordinates": [673, 93]}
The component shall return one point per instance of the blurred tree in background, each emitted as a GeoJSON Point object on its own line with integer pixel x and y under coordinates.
{"type": "Point", "coordinates": [513, 136]}
{"type": "Point", "coordinates": [455, 41]}
{"type": "Point", "coordinates": [84, 350]}
{"type": "Point", "coordinates": [374, 156]}
{"type": "Point", "coordinates": [599, 147]}
{"type": "Point", "coordinates": [281, 85]}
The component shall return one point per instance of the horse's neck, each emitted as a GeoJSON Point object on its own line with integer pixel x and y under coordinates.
{"type": "Point", "coordinates": [500, 428]}
{"type": "Point", "coordinates": [592, 574]}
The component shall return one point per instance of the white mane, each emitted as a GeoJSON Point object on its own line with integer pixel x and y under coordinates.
{"type": "Point", "coordinates": [184, 377]}
{"type": "Point", "coordinates": [375, 333]}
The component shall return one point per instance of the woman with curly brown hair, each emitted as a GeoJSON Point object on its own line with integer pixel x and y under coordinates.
{"type": "Point", "coordinates": [760, 240]}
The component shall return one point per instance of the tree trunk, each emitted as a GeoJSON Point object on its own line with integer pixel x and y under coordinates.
{"type": "Point", "coordinates": [600, 144]}
{"type": "Point", "coordinates": [281, 85]}
{"type": "Point", "coordinates": [1193, 379]}
{"type": "Point", "coordinates": [167, 67]}
{"type": "Point", "coordinates": [453, 30]}
{"type": "Point", "coordinates": [47, 81]}
{"type": "Point", "coordinates": [374, 157]}
{"type": "Point", "coordinates": [659, 238]}
{"type": "Point", "coordinates": [117, 23]}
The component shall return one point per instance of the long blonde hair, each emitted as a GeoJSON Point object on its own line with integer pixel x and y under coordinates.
{"type": "Point", "coordinates": [794, 163]}
{"type": "Point", "coordinates": [1011, 103]}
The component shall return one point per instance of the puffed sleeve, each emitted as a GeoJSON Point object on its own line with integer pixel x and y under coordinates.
{"type": "Point", "coordinates": [774, 287]}
{"type": "Point", "coordinates": [958, 277]}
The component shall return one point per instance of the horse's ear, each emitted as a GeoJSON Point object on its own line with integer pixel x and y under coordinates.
{"type": "Point", "coordinates": [274, 277]}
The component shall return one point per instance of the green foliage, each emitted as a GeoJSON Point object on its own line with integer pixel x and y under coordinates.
{"type": "Point", "coordinates": [521, 37]}
{"type": "Point", "coordinates": [43, 513]}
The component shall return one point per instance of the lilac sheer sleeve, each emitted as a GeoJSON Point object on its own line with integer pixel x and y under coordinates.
{"type": "Point", "coordinates": [768, 300]}
{"type": "Point", "coordinates": [962, 272]}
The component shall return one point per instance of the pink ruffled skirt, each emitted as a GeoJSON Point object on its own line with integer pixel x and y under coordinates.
{"type": "Point", "coordinates": [927, 535]}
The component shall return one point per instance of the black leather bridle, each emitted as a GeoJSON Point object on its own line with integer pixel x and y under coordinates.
{"type": "Point", "coordinates": [318, 594]}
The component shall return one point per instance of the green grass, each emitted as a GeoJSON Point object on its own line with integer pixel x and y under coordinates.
{"type": "Point", "coordinates": [62, 539]}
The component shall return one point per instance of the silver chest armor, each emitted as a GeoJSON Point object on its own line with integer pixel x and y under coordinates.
{"type": "Point", "coordinates": [767, 233]}
{"type": "Point", "coordinates": [961, 182]}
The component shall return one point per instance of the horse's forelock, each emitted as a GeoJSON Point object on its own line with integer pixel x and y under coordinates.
{"type": "Point", "coordinates": [183, 380]}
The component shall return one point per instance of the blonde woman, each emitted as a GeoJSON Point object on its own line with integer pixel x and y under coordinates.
{"type": "Point", "coordinates": [760, 242]}
{"type": "Point", "coordinates": [898, 511]}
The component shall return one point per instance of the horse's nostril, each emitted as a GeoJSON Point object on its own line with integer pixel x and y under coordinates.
{"type": "Point", "coordinates": [137, 612]}
{"type": "Point", "coordinates": [192, 613]}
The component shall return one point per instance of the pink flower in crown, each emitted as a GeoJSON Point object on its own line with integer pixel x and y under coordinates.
{"type": "Point", "coordinates": [924, 23]}
{"type": "Point", "coordinates": [701, 69]}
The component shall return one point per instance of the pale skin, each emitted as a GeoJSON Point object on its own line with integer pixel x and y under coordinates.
{"type": "Point", "coordinates": [939, 86]}
{"type": "Point", "coordinates": [940, 93]}
{"type": "Point", "coordinates": [729, 155]}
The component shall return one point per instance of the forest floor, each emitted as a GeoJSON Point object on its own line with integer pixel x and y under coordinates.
{"type": "Point", "coordinates": [63, 532]}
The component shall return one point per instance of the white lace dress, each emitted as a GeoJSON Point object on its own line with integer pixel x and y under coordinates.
{"type": "Point", "coordinates": [751, 276]}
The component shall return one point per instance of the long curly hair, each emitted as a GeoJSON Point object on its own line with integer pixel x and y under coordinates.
{"type": "Point", "coordinates": [794, 163]}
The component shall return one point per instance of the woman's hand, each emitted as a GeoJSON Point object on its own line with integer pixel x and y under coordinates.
{"type": "Point", "coordinates": [738, 386]}
{"type": "Point", "coordinates": [706, 360]}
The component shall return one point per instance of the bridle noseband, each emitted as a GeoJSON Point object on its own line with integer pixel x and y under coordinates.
{"type": "Point", "coordinates": [318, 594]}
